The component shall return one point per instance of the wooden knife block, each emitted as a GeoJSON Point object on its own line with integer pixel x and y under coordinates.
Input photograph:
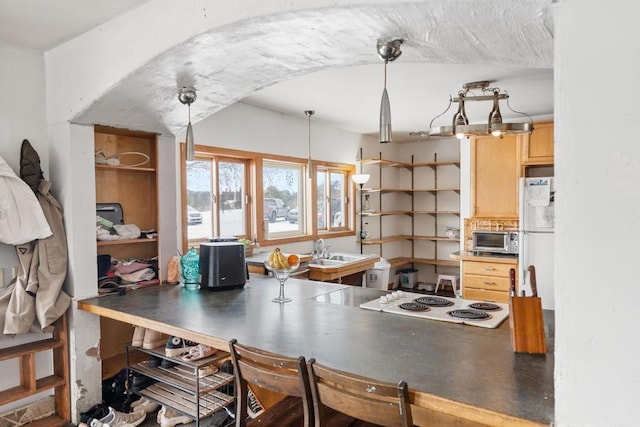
{"type": "Point", "coordinates": [527, 325]}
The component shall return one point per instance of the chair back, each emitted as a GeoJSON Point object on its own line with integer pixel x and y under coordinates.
{"type": "Point", "coordinates": [271, 371]}
{"type": "Point", "coordinates": [363, 398]}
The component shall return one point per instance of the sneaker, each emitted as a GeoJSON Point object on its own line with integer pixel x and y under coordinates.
{"type": "Point", "coordinates": [138, 336]}
{"type": "Point", "coordinates": [176, 346]}
{"type": "Point", "coordinates": [169, 418]}
{"type": "Point", "coordinates": [166, 363]}
{"type": "Point", "coordinates": [120, 419]}
{"type": "Point", "coordinates": [140, 382]}
{"type": "Point", "coordinates": [145, 404]}
{"type": "Point", "coordinates": [154, 361]}
{"type": "Point", "coordinates": [153, 339]}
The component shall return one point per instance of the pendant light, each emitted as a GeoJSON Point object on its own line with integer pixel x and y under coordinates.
{"type": "Point", "coordinates": [388, 50]}
{"type": "Point", "coordinates": [309, 113]}
{"type": "Point", "coordinates": [494, 125]}
{"type": "Point", "coordinates": [187, 95]}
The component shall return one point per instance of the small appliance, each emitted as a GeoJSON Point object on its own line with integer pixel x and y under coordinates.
{"type": "Point", "coordinates": [496, 242]}
{"type": "Point", "coordinates": [222, 265]}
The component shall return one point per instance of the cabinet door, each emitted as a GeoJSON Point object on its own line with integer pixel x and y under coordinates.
{"type": "Point", "coordinates": [494, 176]}
{"type": "Point", "coordinates": [538, 147]}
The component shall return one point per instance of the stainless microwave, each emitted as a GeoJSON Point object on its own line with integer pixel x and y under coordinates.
{"type": "Point", "coordinates": [498, 242]}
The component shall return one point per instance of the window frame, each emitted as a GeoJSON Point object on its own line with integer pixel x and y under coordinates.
{"type": "Point", "coordinates": [254, 193]}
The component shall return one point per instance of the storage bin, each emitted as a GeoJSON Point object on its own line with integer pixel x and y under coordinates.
{"type": "Point", "coordinates": [408, 278]}
{"type": "Point", "coordinates": [378, 276]}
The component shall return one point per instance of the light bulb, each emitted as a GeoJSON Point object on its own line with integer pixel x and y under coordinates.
{"type": "Point", "coordinates": [496, 132]}
{"type": "Point", "coordinates": [460, 135]}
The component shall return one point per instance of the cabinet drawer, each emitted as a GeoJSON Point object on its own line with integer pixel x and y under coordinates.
{"type": "Point", "coordinates": [484, 295]}
{"type": "Point", "coordinates": [488, 268]}
{"type": "Point", "coordinates": [486, 282]}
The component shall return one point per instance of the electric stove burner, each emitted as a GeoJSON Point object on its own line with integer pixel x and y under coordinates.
{"type": "Point", "coordinates": [414, 306]}
{"type": "Point", "coordinates": [434, 301]}
{"type": "Point", "coordinates": [469, 314]}
{"type": "Point", "coordinates": [485, 306]}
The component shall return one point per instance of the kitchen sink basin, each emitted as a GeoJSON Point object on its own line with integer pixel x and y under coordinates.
{"type": "Point", "coordinates": [339, 259]}
{"type": "Point", "coordinates": [327, 262]}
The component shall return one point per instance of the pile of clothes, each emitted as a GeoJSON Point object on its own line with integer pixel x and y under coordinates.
{"type": "Point", "coordinates": [116, 276]}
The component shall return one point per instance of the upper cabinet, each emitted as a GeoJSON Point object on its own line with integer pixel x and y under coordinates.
{"type": "Point", "coordinates": [495, 170]}
{"type": "Point", "coordinates": [538, 147]}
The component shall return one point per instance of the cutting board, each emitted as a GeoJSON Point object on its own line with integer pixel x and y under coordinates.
{"type": "Point", "coordinates": [525, 320]}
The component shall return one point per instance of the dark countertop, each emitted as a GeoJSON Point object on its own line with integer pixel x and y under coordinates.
{"type": "Point", "coordinates": [465, 364]}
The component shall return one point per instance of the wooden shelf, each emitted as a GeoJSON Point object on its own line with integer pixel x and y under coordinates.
{"type": "Point", "coordinates": [125, 242]}
{"type": "Point", "coordinates": [409, 190]}
{"type": "Point", "coordinates": [395, 262]}
{"type": "Point", "coordinates": [434, 238]}
{"type": "Point", "coordinates": [438, 212]}
{"type": "Point", "coordinates": [395, 164]}
{"type": "Point", "coordinates": [124, 168]}
{"type": "Point", "coordinates": [386, 213]}
{"type": "Point", "coordinates": [387, 239]}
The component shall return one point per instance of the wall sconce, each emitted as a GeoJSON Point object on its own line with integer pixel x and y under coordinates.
{"type": "Point", "coordinates": [388, 50]}
{"type": "Point", "coordinates": [460, 126]}
{"type": "Point", "coordinates": [187, 95]}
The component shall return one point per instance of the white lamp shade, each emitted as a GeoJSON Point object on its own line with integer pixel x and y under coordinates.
{"type": "Point", "coordinates": [360, 178]}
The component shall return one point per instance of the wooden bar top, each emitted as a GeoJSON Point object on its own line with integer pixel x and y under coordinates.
{"type": "Point", "coordinates": [457, 374]}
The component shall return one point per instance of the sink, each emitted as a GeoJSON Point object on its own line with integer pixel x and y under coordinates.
{"type": "Point", "coordinates": [328, 262]}
{"type": "Point", "coordinates": [339, 259]}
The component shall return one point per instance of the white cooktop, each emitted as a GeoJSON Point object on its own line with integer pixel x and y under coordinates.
{"type": "Point", "coordinates": [436, 313]}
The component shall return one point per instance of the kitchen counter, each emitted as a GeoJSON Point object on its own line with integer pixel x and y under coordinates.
{"type": "Point", "coordinates": [472, 256]}
{"type": "Point", "coordinates": [456, 373]}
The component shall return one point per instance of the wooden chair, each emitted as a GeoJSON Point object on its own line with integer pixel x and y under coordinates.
{"type": "Point", "coordinates": [276, 373]}
{"type": "Point", "coordinates": [367, 400]}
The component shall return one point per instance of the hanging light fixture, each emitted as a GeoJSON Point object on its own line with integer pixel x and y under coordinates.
{"type": "Point", "coordinates": [388, 50]}
{"type": "Point", "coordinates": [309, 113]}
{"type": "Point", "coordinates": [495, 126]}
{"type": "Point", "coordinates": [187, 95]}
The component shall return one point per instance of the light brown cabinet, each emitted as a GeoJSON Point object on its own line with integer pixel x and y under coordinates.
{"type": "Point", "coordinates": [135, 188]}
{"type": "Point", "coordinates": [538, 147]}
{"type": "Point", "coordinates": [487, 281]}
{"type": "Point", "coordinates": [495, 170]}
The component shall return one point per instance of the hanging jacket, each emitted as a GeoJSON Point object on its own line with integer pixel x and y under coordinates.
{"type": "Point", "coordinates": [37, 293]}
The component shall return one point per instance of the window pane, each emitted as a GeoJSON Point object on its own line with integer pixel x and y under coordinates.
{"type": "Point", "coordinates": [283, 204]}
{"type": "Point", "coordinates": [231, 194]}
{"type": "Point", "coordinates": [337, 199]}
{"type": "Point", "coordinates": [321, 196]}
{"type": "Point", "coordinates": [199, 179]}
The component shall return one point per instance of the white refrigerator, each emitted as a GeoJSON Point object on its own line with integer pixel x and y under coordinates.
{"type": "Point", "coordinates": [537, 197]}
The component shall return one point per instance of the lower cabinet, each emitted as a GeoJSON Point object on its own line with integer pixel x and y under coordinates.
{"type": "Point", "coordinates": [487, 281]}
{"type": "Point", "coordinates": [196, 389]}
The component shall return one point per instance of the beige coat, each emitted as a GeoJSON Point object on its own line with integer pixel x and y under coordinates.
{"type": "Point", "coordinates": [37, 293]}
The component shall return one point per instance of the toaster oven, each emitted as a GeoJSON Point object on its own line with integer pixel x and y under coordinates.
{"type": "Point", "coordinates": [497, 242]}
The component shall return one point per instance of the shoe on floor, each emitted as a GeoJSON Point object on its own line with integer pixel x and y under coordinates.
{"type": "Point", "coordinates": [145, 404]}
{"type": "Point", "coordinates": [153, 339]}
{"type": "Point", "coordinates": [169, 418]}
{"type": "Point", "coordinates": [120, 419]}
{"type": "Point", "coordinates": [138, 336]}
{"type": "Point", "coordinates": [176, 346]}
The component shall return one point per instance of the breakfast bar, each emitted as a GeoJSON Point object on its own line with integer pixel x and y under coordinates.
{"type": "Point", "coordinates": [457, 374]}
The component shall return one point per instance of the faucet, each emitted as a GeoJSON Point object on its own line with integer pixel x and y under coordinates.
{"type": "Point", "coordinates": [319, 249]}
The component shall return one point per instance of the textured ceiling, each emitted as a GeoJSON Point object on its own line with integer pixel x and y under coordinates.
{"type": "Point", "coordinates": [447, 43]}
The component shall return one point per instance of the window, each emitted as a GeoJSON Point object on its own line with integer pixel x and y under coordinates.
{"type": "Point", "coordinates": [283, 191]}
{"type": "Point", "coordinates": [331, 199]}
{"type": "Point", "coordinates": [269, 198]}
{"type": "Point", "coordinates": [216, 190]}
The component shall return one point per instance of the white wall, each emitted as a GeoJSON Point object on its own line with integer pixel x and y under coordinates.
{"type": "Point", "coordinates": [597, 52]}
{"type": "Point", "coordinates": [22, 116]}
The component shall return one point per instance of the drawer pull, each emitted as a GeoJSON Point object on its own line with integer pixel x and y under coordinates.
{"type": "Point", "coordinates": [490, 283]}
{"type": "Point", "coordinates": [489, 268]}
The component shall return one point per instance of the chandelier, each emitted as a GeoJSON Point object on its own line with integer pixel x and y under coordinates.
{"type": "Point", "coordinates": [460, 127]}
